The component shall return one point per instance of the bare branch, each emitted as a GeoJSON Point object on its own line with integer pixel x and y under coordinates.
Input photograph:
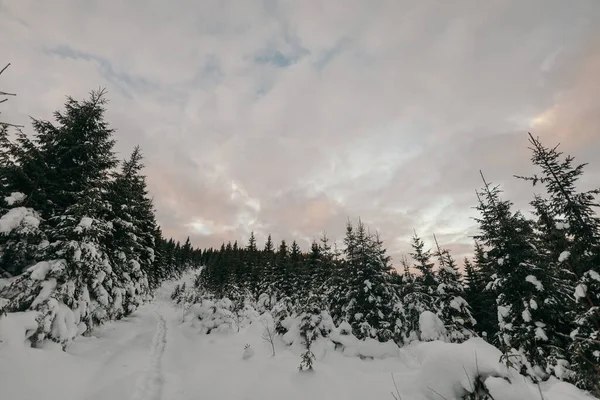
{"type": "Point", "coordinates": [12, 125]}
{"type": "Point", "coordinates": [7, 65]}
{"type": "Point", "coordinates": [268, 335]}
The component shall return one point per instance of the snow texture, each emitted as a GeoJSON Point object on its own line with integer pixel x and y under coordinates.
{"type": "Point", "coordinates": [563, 256]}
{"type": "Point", "coordinates": [535, 282]}
{"type": "Point", "coordinates": [154, 355]}
{"type": "Point", "coordinates": [580, 291]}
{"type": "Point", "coordinates": [15, 197]}
{"type": "Point", "coordinates": [19, 217]}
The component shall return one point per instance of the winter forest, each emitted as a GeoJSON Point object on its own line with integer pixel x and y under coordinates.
{"type": "Point", "coordinates": [80, 248]}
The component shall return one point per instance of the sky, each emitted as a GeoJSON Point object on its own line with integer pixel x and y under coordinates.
{"type": "Point", "coordinates": [291, 117]}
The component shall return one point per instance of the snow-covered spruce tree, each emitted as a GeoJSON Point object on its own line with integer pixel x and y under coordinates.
{"type": "Point", "coordinates": [253, 266]}
{"type": "Point", "coordinates": [131, 246]}
{"type": "Point", "coordinates": [295, 282]}
{"type": "Point", "coordinates": [574, 214]}
{"type": "Point", "coordinates": [21, 235]}
{"type": "Point", "coordinates": [337, 286]}
{"type": "Point", "coordinates": [526, 296]}
{"type": "Point", "coordinates": [480, 297]}
{"type": "Point", "coordinates": [67, 176]}
{"type": "Point", "coordinates": [370, 297]}
{"type": "Point", "coordinates": [310, 321]}
{"type": "Point", "coordinates": [6, 167]}
{"type": "Point", "coordinates": [267, 298]}
{"type": "Point", "coordinates": [21, 226]}
{"type": "Point", "coordinates": [281, 286]}
{"type": "Point", "coordinates": [417, 292]}
{"type": "Point", "coordinates": [451, 306]}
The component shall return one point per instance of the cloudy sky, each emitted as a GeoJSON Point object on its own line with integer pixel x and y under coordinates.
{"type": "Point", "coordinates": [291, 116]}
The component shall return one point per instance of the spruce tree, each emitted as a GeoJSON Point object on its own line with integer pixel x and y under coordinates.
{"type": "Point", "coordinates": [418, 292]}
{"type": "Point", "coordinates": [370, 297]}
{"type": "Point", "coordinates": [132, 244]}
{"type": "Point", "coordinates": [576, 234]}
{"type": "Point", "coordinates": [451, 306]}
{"type": "Point", "coordinates": [526, 296]}
{"type": "Point", "coordinates": [71, 189]}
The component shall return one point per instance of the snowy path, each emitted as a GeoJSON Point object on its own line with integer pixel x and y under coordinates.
{"type": "Point", "coordinates": [150, 385]}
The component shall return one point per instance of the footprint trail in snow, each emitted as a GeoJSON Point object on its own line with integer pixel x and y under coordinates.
{"type": "Point", "coordinates": [149, 386]}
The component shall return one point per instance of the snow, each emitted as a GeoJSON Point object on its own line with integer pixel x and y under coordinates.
{"type": "Point", "coordinates": [15, 197]}
{"type": "Point", "coordinates": [153, 354]}
{"type": "Point", "coordinates": [540, 334]}
{"type": "Point", "coordinates": [86, 222]}
{"type": "Point", "coordinates": [47, 289]}
{"type": "Point", "coordinates": [15, 328]}
{"type": "Point", "coordinates": [40, 270]}
{"type": "Point", "coordinates": [431, 327]}
{"type": "Point", "coordinates": [26, 218]}
{"type": "Point", "coordinates": [562, 225]}
{"type": "Point", "coordinates": [535, 282]}
{"type": "Point", "coordinates": [533, 304]}
{"type": "Point", "coordinates": [580, 291]}
{"type": "Point", "coordinates": [593, 275]}
{"type": "Point", "coordinates": [563, 256]}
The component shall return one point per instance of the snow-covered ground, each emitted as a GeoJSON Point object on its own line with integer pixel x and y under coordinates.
{"type": "Point", "coordinates": [152, 355]}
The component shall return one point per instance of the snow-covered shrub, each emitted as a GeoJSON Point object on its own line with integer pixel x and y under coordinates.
{"type": "Point", "coordinates": [431, 327]}
{"type": "Point", "coordinates": [282, 310]}
{"type": "Point", "coordinates": [217, 316]}
{"type": "Point", "coordinates": [351, 346]}
{"type": "Point", "coordinates": [265, 302]}
{"type": "Point", "coordinates": [409, 311]}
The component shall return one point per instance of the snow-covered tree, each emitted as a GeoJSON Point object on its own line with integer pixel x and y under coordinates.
{"type": "Point", "coordinates": [450, 304]}
{"type": "Point", "coordinates": [571, 226]}
{"type": "Point", "coordinates": [526, 297]}
{"type": "Point", "coordinates": [370, 297]}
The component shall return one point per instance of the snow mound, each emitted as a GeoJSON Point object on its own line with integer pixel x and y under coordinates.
{"type": "Point", "coordinates": [16, 328]}
{"type": "Point", "coordinates": [449, 370]}
{"type": "Point", "coordinates": [452, 371]}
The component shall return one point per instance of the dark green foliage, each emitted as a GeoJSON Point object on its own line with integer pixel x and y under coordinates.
{"type": "Point", "coordinates": [87, 228]}
{"type": "Point", "coordinates": [569, 233]}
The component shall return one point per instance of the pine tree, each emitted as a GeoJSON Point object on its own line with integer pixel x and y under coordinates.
{"type": "Point", "coordinates": [418, 292]}
{"type": "Point", "coordinates": [370, 297]}
{"type": "Point", "coordinates": [451, 306]}
{"type": "Point", "coordinates": [77, 276]}
{"type": "Point", "coordinates": [268, 267]}
{"type": "Point", "coordinates": [132, 244]}
{"type": "Point", "coordinates": [296, 287]}
{"type": "Point", "coordinates": [426, 281]}
{"type": "Point", "coordinates": [526, 295]}
{"type": "Point", "coordinates": [576, 234]}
